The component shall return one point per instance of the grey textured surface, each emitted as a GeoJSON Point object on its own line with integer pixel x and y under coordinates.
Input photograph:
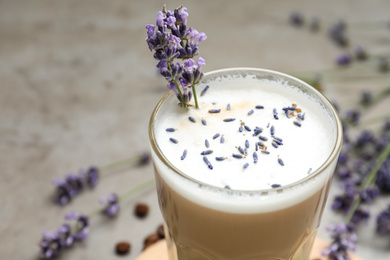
{"type": "Point", "coordinates": [77, 86]}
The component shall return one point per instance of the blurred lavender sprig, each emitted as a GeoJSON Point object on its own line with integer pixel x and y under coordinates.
{"type": "Point", "coordinates": [344, 239]}
{"type": "Point", "coordinates": [383, 221]}
{"type": "Point", "coordinates": [111, 208]}
{"type": "Point", "coordinates": [170, 39]}
{"type": "Point", "coordinates": [73, 184]}
{"type": "Point", "coordinates": [54, 242]}
{"type": "Point", "coordinates": [364, 172]}
{"type": "Point", "coordinates": [352, 53]}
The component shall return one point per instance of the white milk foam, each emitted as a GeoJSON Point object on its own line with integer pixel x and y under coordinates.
{"type": "Point", "coordinates": [303, 151]}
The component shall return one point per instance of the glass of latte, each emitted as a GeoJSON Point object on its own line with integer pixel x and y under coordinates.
{"type": "Point", "coordinates": [245, 176]}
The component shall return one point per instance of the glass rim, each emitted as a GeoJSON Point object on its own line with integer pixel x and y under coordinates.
{"type": "Point", "coordinates": [331, 158]}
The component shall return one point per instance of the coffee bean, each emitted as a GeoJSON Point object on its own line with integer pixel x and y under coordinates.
{"type": "Point", "coordinates": [161, 232]}
{"type": "Point", "coordinates": [122, 248]}
{"type": "Point", "coordinates": [150, 240]}
{"type": "Point", "coordinates": [141, 210]}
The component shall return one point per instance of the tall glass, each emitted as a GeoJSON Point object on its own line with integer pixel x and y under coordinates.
{"type": "Point", "coordinates": [195, 231]}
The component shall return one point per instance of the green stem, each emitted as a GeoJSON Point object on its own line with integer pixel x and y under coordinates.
{"type": "Point", "coordinates": [373, 119]}
{"type": "Point", "coordinates": [381, 159]}
{"type": "Point", "coordinates": [177, 86]}
{"type": "Point", "coordinates": [353, 208]}
{"type": "Point", "coordinates": [195, 97]}
{"type": "Point", "coordinates": [95, 212]}
{"type": "Point", "coordinates": [381, 95]}
{"type": "Point", "coordinates": [119, 163]}
{"type": "Point", "coordinates": [354, 67]}
{"type": "Point", "coordinates": [367, 24]}
{"type": "Point", "coordinates": [350, 77]}
{"type": "Point", "coordinates": [136, 189]}
{"type": "Point", "coordinates": [370, 179]}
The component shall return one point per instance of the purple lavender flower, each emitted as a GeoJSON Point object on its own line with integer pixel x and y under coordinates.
{"type": "Point", "coordinates": [337, 34]}
{"type": "Point", "coordinates": [76, 183]}
{"type": "Point", "coordinates": [353, 117]}
{"type": "Point", "coordinates": [342, 203]}
{"type": "Point", "coordinates": [171, 40]}
{"type": "Point", "coordinates": [53, 243]}
{"type": "Point", "coordinates": [160, 19]}
{"type": "Point", "coordinates": [343, 158]}
{"type": "Point", "coordinates": [297, 19]}
{"type": "Point", "coordinates": [192, 74]}
{"type": "Point", "coordinates": [383, 221]}
{"type": "Point", "coordinates": [366, 98]}
{"type": "Point", "coordinates": [365, 137]}
{"type": "Point", "coordinates": [187, 94]}
{"type": "Point", "coordinates": [82, 223]}
{"type": "Point", "coordinates": [383, 177]}
{"type": "Point", "coordinates": [369, 194]}
{"type": "Point", "coordinates": [92, 177]}
{"type": "Point", "coordinates": [63, 192]}
{"type": "Point", "coordinates": [111, 205]}
{"type": "Point", "coordinates": [381, 142]}
{"type": "Point", "coordinates": [144, 159]}
{"type": "Point", "coordinates": [360, 215]}
{"type": "Point", "coordinates": [65, 236]}
{"type": "Point", "coordinates": [50, 245]}
{"type": "Point", "coordinates": [344, 59]}
{"type": "Point", "coordinates": [344, 239]}
{"type": "Point", "coordinates": [344, 172]}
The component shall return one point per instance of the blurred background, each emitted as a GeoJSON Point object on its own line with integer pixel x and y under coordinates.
{"type": "Point", "coordinates": [78, 84]}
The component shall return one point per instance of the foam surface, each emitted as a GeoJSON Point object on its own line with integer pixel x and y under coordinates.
{"type": "Point", "coordinates": [304, 148]}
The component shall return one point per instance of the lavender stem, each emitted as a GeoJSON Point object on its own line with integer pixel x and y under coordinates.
{"type": "Point", "coordinates": [177, 86]}
{"type": "Point", "coordinates": [369, 180]}
{"type": "Point", "coordinates": [195, 97]}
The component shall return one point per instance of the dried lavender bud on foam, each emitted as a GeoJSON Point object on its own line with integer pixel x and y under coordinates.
{"type": "Point", "coordinates": [304, 147]}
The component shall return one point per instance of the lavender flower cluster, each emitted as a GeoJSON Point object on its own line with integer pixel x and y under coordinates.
{"type": "Point", "coordinates": [74, 184]}
{"type": "Point", "coordinates": [111, 203]}
{"type": "Point", "coordinates": [356, 161]}
{"type": "Point", "coordinates": [363, 177]}
{"type": "Point", "coordinates": [53, 243]}
{"type": "Point", "coordinates": [170, 39]}
{"type": "Point", "coordinates": [344, 239]}
{"type": "Point", "coordinates": [338, 34]}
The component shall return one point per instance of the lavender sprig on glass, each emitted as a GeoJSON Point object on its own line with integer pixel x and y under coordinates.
{"type": "Point", "coordinates": [171, 40]}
